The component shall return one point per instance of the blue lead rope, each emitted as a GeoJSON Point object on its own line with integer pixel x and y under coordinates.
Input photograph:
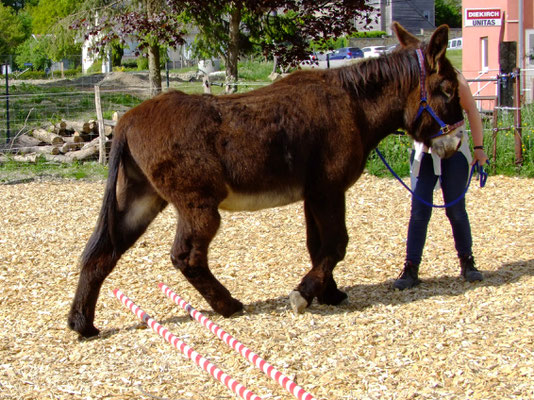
{"type": "Point", "coordinates": [482, 174]}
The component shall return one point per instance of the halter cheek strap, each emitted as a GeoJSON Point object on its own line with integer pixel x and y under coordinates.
{"type": "Point", "coordinates": [423, 104]}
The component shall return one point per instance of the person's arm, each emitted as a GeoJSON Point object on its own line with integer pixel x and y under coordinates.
{"type": "Point", "coordinates": [475, 122]}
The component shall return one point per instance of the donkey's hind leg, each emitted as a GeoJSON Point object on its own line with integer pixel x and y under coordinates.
{"type": "Point", "coordinates": [117, 230]}
{"type": "Point", "coordinates": [197, 225]}
{"type": "Point", "coordinates": [327, 242]}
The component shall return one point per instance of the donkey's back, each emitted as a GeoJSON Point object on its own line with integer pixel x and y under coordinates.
{"type": "Point", "coordinates": [255, 150]}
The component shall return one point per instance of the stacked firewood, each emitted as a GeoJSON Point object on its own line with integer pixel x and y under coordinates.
{"type": "Point", "coordinates": [64, 141]}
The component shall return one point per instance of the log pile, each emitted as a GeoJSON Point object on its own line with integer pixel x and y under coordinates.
{"type": "Point", "coordinates": [65, 141]}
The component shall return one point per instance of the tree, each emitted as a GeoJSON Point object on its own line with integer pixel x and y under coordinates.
{"type": "Point", "coordinates": [33, 51]}
{"type": "Point", "coordinates": [12, 30]}
{"type": "Point", "coordinates": [149, 22]}
{"type": "Point", "coordinates": [18, 5]}
{"type": "Point", "coordinates": [274, 28]}
{"type": "Point", "coordinates": [448, 12]}
{"type": "Point", "coordinates": [279, 28]}
{"type": "Point", "coordinates": [49, 20]}
{"type": "Point", "coordinates": [49, 13]}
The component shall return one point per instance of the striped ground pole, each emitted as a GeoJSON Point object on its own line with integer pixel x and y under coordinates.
{"type": "Point", "coordinates": [206, 365]}
{"type": "Point", "coordinates": [253, 358]}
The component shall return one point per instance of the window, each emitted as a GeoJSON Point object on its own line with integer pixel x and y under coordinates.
{"type": "Point", "coordinates": [484, 54]}
{"type": "Point", "coordinates": [530, 47]}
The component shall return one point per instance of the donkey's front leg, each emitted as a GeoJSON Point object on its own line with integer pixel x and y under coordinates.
{"type": "Point", "coordinates": [196, 228]}
{"type": "Point", "coordinates": [327, 242]}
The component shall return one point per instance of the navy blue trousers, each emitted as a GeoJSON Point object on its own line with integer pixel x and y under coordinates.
{"type": "Point", "coordinates": [454, 176]}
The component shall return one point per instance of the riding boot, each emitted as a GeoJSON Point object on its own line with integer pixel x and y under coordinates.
{"type": "Point", "coordinates": [408, 278]}
{"type": "Point", "coordinates": [468, 269]}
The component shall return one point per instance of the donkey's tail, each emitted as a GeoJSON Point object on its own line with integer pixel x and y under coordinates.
{"type": "Point", "coordinates": [102, 239]}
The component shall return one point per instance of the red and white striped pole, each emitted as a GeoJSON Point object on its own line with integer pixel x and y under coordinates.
{"type": "Point", "coordinates": [253, 358]}
{"type": "Point", "coordinates": [207, 366]}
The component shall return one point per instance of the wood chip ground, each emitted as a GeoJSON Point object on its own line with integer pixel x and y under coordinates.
{"type": "Point", "coordinates": [447, 339]}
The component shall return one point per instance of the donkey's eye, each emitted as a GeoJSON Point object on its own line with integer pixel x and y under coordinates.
{"type": "Point", "coordinates": [447, 90]}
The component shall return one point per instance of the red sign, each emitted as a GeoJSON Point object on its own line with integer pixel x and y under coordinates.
{"type": "Point", "coordinates": [482, 17]}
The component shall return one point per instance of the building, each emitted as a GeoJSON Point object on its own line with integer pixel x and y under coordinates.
{"type": "Point", "coordinates": [414, 15]}
{"type": "Point", "coordinates": [484, 22]}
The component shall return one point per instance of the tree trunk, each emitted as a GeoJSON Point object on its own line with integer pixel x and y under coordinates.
{"type": "Point", "coordinates": [233, 51]}
{"type": "Point", "coordinates": [154, 71]}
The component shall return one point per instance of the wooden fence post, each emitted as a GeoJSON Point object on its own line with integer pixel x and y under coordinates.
{"type": "Point", "coordinates": [517, 120]}
{"type": "Point", "coordinates": [101, 134]}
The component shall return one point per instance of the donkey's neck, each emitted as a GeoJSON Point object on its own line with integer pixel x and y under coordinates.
{"type": "Point", "coordinates": [380, 89]}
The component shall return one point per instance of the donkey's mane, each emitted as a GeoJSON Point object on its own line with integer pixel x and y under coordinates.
{"type": "Point", "coordinates": [374, 73]}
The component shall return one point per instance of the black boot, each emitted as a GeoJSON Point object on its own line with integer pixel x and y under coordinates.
{"type": "Point", "coordinates": [408, 278]}
{"type": "Point", "coordinates": [468, 270]}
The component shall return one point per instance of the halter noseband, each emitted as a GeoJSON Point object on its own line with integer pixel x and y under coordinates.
{"type": "Point", "coordinates": [423, 105]}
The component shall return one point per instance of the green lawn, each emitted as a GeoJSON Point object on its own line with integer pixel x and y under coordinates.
{"type": "Point", "coordinates": [456, 58]}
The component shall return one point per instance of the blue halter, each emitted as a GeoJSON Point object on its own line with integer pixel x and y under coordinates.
{"type": "Point", "coordinates": [423, 105]}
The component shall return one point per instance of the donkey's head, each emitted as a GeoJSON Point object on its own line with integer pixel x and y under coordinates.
{"type": "Point", "coordinates": [433, 114]}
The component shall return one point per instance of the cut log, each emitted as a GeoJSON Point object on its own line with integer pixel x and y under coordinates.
{"type": "Point", "coordinates": [47, 137]}
{"type": "Point", "coordinates": [88, 151]}
{"type": "Point", "coordinates": [57, 158]}
{"type": "Point", "coordinates": [36, 149]}
{"type": "Point", "coordinates": [25, 140]}
{"type": "Point", "coordinates": [117, 115]}
{"type": "Point", "coordinates": [70, 146]}
{"type": "Point", "coordinates": [31, 158]}
{"type": "Point", "coordinates": [73, 139]}
{"type": "Point", "coordinates": [108, 130]}
{"type": "Point", "coordinates": [77, 126]}
{"type": "Point", "coordinates": [61, 129]}
{"type": "Point", "coordinates": [80, 136]}
{"type": "Point", "coordinates": [92, 126]}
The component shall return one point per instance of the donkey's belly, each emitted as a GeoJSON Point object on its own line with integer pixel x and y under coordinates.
{"type": "Point", "coordinates": [236, 201]}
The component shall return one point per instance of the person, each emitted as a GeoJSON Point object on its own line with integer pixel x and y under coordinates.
{"type": "Point", "coordinates": [451, 174]}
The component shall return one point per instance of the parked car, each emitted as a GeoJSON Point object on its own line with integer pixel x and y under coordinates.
{"type": "Point", "coordinates": [314, 59]}
{"type": "Point", "coordinates": [346, 52]}
{"type": "Point", "coordinates": [373, 51]}
{"type": "Point", "coordinates": [391, 49]}
{"type": "Point", "coordinates": [455, 44]}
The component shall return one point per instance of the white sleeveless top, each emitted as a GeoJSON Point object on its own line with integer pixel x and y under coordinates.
{"type": "Point", "coordinates": [420, 149]}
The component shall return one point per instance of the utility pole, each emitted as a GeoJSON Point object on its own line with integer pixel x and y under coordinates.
{"type": "Point", "coordinates": [521, 36]}
{"type": "Point", "coordinates": [7, 101]}
{"type": "Point", "coordinates": [519, 91]}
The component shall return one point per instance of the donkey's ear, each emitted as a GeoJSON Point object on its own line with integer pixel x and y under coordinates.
{"type": "Point", "coordinates": [437, 46]}
{"type": "Point", "coordinates": [406, 39]}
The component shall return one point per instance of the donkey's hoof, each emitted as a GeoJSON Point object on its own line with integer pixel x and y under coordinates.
{"type": "Point", "coordinates": [333, 298]}
{"type": "Point", "coordinates": [230, 308]}
{"type": "Point", "coordinates": [78, 324]}
{"type": "Point", "coordinates": [298, 303]}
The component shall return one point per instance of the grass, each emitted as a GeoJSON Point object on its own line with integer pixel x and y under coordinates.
{"type": "Point", "coordinates": [255, 71]}
{"type": "Point", "coordinates": [13, 172]}
{"type": "Point", "coordinates": [455, 57]}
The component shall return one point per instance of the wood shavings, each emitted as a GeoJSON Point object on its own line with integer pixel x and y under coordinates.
{"type": "Point", "coordinates": [446, 339]}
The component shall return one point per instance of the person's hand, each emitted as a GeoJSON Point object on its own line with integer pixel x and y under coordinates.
{"type": "Point", "coordinates": [480, 156]}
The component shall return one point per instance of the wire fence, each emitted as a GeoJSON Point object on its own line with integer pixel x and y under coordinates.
{"type": "Point", "coordinates": [28, 105]}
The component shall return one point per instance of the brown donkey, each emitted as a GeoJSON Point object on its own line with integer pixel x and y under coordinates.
{"type": "Point", "coordinates": [305, 137]}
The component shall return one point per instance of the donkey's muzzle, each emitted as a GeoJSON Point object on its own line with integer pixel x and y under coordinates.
{"type": "Point", "coordinates": [446, 145]}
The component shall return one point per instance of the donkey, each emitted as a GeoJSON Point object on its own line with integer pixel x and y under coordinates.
{"type": "Point", "coordinates": [305, 137]}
